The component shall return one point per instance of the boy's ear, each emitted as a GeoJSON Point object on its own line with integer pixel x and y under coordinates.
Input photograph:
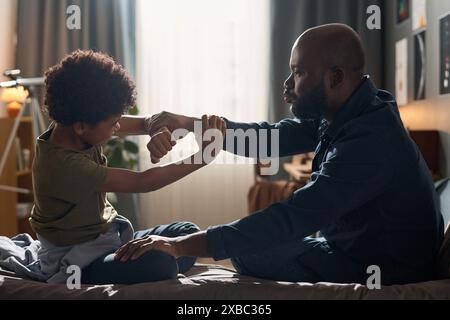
{"type": "Point", "coordinates": [79, 128]}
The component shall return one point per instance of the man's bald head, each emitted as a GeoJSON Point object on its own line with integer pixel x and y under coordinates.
{"type": "Point", "coordinates": [327, 65]}
{"type": "Point", "coordinates": [336, 45]}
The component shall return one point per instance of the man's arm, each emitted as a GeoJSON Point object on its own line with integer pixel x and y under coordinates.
{"type": "Point", "coordinates": [192, 245]}
{"type": "Point", "coordinates": [133, 126]}
{"type": "Point", "coordinates": [294, 136]}
{"type": "Point", "coordinates": [354, 173]}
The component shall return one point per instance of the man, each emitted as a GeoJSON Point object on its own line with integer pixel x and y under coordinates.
{"type": "Point", "coordinates": [371, 195]}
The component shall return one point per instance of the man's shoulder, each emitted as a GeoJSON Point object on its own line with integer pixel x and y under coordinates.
{"type": "Point", "coordinates": [381, 118]}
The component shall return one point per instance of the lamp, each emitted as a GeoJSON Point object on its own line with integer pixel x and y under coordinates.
{"type": "Point", "coordinates": [14, 98]}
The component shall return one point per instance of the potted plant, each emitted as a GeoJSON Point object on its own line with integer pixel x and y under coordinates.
{"type": "Point", "coordinates": [124, 153]}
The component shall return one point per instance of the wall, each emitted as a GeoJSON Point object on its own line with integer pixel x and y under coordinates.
{"type": "Point", "coordinates": [434, 112]}
{"type": "Point", "coordinates": [8, 15]}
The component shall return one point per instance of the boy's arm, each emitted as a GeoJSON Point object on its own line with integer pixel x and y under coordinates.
{"type": "Point", "coordinates": [121, 180]}
{"type": "Point", "coordinates": [127, 181]}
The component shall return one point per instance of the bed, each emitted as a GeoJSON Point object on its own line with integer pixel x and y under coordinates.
{"type": "Point", "coordinates": [210, 282]}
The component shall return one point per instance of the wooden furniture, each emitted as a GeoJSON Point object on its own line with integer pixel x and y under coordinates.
{"type": "Point", "coordinates": [8, 217]}
{"type": "Point", "coordinates": [10, 224]}
{"type": "Point", "coordinates": [428, 143]}
{"type": "Point", "coordinates": [300, 168]}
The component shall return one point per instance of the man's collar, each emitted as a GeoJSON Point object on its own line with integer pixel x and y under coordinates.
{"type": "Point", "coordinates": [354, 106]}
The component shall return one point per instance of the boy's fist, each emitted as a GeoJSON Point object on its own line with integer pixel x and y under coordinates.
{"type": "Point", "coordinates": [160, 144]}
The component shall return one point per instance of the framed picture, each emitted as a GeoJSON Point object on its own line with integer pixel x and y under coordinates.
{"type": "Point", "coordinates": [419, 14]}
{"type": "Point", "coordinates": [420, 65]}
{"type": "Point", "coordinates": [402, 10]}
{"type": "Point", "coordinates": [401, 72]}
{"type": "Point", "coordinates": [444, 41]}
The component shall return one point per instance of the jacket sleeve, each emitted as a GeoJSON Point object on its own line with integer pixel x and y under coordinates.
{"type": "Point", "coordinates": [264, 140]}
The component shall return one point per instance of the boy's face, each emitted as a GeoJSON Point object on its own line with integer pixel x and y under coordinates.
{"type": "Point", "coordinates": [101, 132]}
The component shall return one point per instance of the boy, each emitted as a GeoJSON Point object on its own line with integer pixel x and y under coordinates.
{"type": "Point", "coordinates": [86, 95]}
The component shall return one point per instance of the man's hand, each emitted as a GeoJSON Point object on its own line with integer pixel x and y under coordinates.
{"type": "Point", "coordinates": [160, 144]}
{"type": "Point", "coordinates": [212, 123]}
{"type": "Point", "coordinates": [170, 121]}
{"type": "Point", "coordinates": [136, 248]}
{"type": "Point", "coordinates": [192, 245]}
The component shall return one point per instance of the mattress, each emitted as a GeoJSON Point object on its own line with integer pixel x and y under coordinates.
{"type": "Point", "coordinates": [211, 282]}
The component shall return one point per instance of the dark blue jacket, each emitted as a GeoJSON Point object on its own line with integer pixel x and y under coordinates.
{"type": "Point", "coordinates": [371, 194]}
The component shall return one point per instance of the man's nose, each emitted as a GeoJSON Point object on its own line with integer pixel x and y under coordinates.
{"type": "Point", "coordinates": [288, 83]}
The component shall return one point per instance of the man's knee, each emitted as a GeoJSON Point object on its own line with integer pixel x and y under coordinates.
{"type": "Point", "coordinates": [186, 263]}
{"type": "Point", "coordinates": [186, 227]}
{"type": "Point", "coordinates": [243, 265]}
{"type": "Point", "coordinates": [177, 229]}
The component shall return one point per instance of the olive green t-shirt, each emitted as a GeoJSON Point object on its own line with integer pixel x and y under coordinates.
{"type": "Point", "coordinates": [67, 208]}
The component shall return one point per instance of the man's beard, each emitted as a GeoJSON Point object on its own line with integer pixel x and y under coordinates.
{"type": "Point", "coordinates": [311, 106]}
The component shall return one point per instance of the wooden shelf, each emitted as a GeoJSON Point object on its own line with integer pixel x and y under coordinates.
{"type": "Point", "coordinates": [26, 119]}
{"type": "Point", "coordinates": [10, 224]}
{"type": "Point", "coordinates": [297, 171]}
{"type": "Point", "coordinates": [23, 172]}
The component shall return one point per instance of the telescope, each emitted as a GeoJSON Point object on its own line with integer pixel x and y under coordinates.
{"type": "Point", "coordinates": [16, 80]}
{"type": "Point", "coordinates": [32, 104]}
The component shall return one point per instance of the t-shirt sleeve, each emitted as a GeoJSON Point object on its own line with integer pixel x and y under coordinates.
{"type": "Point", "coordinates": [77, 178]}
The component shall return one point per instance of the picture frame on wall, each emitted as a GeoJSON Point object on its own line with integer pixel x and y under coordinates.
{"type": "Point", "coordinates": [420, 65]}
{"type": "Point", "coordinates": [444, 53]}
{"type": "Point", "coordinates": [419, 14]}
{"type": "Point", "coordinates": [403, 8]}
{"type": "Point", "coordinates": [401, 71]}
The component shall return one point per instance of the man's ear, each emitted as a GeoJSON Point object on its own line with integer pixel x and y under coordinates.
{"type": "Point", "coordinates": [336, 77]}
{"type": "Point", "coordinates": [79, 128]}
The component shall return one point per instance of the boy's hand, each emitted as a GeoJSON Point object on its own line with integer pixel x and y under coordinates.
{"type": "Point", "coordinates": [160, 144]}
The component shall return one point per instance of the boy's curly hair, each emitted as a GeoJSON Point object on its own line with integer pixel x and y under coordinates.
{"type": "Point", "coordinates": [89, 87]}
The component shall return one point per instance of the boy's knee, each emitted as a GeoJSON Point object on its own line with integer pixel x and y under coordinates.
{"type": "Point", "coordinates": [157, 266]}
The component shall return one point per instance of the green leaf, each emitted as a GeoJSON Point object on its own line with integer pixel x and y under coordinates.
{"type": "Point", "coordinates": [131, 147]}
{"type": "Point", "coordinates": [132, 163]}
{"type": "Point", "coordinates": [134, 111]}
{"type": "Point", "coordinates": [112, 142]}
{"type": "Point", "coordinates": [116, 159]}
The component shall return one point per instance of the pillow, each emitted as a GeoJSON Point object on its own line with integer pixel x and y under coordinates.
{"type": "Point", "coordinates": [443, 261]}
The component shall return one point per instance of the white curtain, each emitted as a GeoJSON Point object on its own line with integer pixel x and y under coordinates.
{"type": "Point", "coordinates": [202, 57]}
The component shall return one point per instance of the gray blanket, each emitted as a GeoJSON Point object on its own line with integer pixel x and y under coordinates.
{"type": "Point", "coordinates": [19, 255]}
{"type": "Point", "coordinates": [40, 260]}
